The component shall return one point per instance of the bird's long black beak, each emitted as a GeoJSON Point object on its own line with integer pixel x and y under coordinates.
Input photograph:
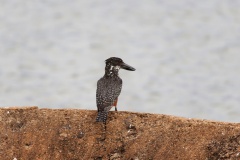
{"type": "Point", "coordinates": [127, 67]}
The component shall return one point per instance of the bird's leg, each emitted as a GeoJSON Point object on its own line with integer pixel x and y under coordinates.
{"type": "Point", "coordinates": [115, 104]}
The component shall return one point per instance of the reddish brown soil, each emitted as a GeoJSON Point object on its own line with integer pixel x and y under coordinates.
{"type": "Point", "coordinates": [72, 134]}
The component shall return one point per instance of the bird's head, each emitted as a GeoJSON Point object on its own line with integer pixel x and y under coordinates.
{"type": "Point", "coordinates": [117, 63]}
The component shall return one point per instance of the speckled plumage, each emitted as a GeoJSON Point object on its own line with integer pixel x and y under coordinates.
{"type": "Point", "coordinates": [109, 87]}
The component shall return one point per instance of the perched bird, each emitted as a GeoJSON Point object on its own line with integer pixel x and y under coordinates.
{"type": "Point", "coordinates": [109, 87]}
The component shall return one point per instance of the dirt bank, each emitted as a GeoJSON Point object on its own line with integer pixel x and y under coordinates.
{"type": "Point", "coordinates": [37, 134]}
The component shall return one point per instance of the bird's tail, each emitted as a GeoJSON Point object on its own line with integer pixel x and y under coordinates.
{"type": "Point", "coordinates": [102, 116]}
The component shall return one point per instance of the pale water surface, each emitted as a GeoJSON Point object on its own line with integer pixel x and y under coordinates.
{"type": "Point", "coordinates": [186, 54]}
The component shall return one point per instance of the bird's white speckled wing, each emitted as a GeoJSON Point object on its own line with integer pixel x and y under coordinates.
{"type": "Point", "coordinates": [108, 91]}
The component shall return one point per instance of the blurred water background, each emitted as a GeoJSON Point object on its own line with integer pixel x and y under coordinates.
{"type": "Point", "coordinates": [186, 54]}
